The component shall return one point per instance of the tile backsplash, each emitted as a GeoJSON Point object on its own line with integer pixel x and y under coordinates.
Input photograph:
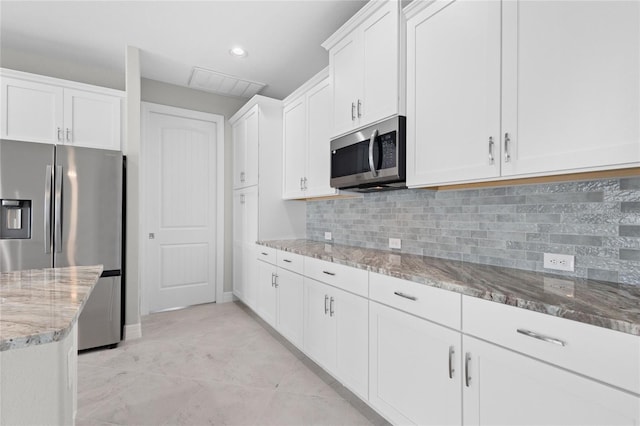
{"type": "Point", "coordinates": [597, 221]}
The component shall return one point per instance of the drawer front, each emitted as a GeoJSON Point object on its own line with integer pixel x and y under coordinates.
{"type": "Point", "coordinates": [266, 254]}
{"type": "Point", "coordinates": [431, 303]}
{"type": "Point", "coordinates": [610, 356]}
{"type": "Point", "coordinates": [345, 277]}
{"type": "Point", "coordinates": [290, 261]}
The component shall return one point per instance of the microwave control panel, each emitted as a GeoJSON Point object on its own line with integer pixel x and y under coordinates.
{"type": "Point", "coordinates": [388, 150]}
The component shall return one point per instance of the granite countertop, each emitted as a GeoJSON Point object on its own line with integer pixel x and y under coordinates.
{"type": "Point", "coordinates": [604, 304]}
{"type": "Point", "coordinates": [41, 305]}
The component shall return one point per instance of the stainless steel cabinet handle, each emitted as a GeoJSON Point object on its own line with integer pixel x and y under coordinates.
{"type": "Point", "coordinates": [326, 307]}
{"type": "Point", "coordinates": [241, 198]}
{"type": "Point", "coordinates": [542, 337]}
{"type": "Point", "coordinates": [467, 373]}
{"type": "Point", "coordinates": [331, 311]}
{"type": "Point", "coordinates": [275, 280]}
{"type": "Point", "coordinates": [301, 187]}
{"type": "Point", "coordinates": [452, 352]}
{"type": "Point", "coordinates": [68, 132]}
{"type": "Point", "coordinates": [406, 296]}
{"type": "Point", "coordinates": [242, 176]}
{"type": "Point", "coordinates": [353, 111]}
{"type": "Point", "coordinates": [328, 273]}
{"type": "Point", "coordinates": [59, 134]}
{"type": "Point", "coordinates": [491, 159]}
{"type": "Point", "coordinates": [57, 211]}
{"type": "Point", "coordinates": [305, 184]}
{"type": "Point", "coordinates": [264, 254]}
{"type": "Point", "coordinates": [286, 260]}
{"type": "Point", "coordinates": [47, 207]}
{"type": "Point", "coordinates": [359, 108]}
{"type": "Point", "coordinates": [372, 140]}
{"type": "Point", "coordinates": [507, 154]}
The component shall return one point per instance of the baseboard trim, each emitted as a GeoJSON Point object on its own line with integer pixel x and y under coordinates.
{"type": "Point", "coordinates": [132, 331]}
{"type": "Point", "coordinates": [227, 296]}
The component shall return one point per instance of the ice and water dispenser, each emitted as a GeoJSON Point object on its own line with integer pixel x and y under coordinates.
{"type": "Point", "coordinates": [15, 219]}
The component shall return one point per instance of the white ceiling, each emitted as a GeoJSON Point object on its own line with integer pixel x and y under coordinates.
{"type": "Point", "coordinates": [282, 37]}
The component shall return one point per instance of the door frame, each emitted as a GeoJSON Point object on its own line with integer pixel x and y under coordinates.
{"type": "Point", "coordinates": [149, 108]}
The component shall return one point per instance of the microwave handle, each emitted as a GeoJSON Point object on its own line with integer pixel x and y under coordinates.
{"type": "Point", "coordinates": [372, 140]}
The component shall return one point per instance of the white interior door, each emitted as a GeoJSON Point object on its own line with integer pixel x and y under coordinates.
{"type": "Point", "coordinates": [180, 248]}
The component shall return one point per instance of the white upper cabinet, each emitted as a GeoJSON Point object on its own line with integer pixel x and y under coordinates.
{"type": "Point", "coordinates": [365, 62]}
{"type": "Point", "coordinates": [48, 110]}
{"type": "Point", "coordinates": [520, 88]}
{"type": "Point", "coordinates": [307, 159]}
{"type": "Point", "coordinates": [245, 149]}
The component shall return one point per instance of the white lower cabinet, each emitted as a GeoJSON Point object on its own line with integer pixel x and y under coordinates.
{"type": "Point", "coordinates": [336, 333]}
{"type": "Point", "coordinates": [415, 372]}
{"type": "Point", "coordinates": [502, 387]}
{"type": "Point", "coordinates": [267, 292]}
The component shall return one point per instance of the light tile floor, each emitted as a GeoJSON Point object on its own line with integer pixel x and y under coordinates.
{"type": "Point", "coordinates": [211, 364]}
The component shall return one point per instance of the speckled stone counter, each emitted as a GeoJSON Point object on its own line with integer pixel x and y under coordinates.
{"type": "Point", "coordinates": [599, 303]}
{"type": "Point", "coordinates": [42, 305]}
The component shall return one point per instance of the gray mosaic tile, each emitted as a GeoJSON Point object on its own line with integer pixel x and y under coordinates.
{"type": "Point", "coordinates": [602, 275]}
{"type": "Point", "coordinates": [582, 240]}
{"type": "Point", "coordinates": [629, 231]}
{"type": "Point", "coordinates": [628, 254]}
{"type": "Point", "coordinates": [630, 183]}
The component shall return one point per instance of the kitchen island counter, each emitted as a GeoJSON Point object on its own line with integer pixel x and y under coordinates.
{"type": "Point", "coordinates": [42, 305]}
{"type": "Point", "coordinates": [604, 304]}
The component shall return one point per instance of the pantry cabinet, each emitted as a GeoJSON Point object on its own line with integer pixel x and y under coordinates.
{"type": "Point", "coordinates": [365, 61]}
{"type": "Point", "coordinates": [508, 89]}
{"type": "Point", "coordinates": [335, 333]}
{"type": "Point", "coordinates": [47, 110]}
{"type": "Point", "coordinates": [245, 149]}
{"type": "Point", "coordinates": [245, 234]}
{"type": "Point", "coordinates": [306, 147]}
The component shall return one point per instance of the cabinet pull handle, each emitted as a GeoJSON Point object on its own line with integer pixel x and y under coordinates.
{"type": "Point", "coordinates": [301, 188]}
{"type": "Point", "coordinates": [353, 111]}
{"type": "Point", "coordinates": [305, 184]}
{"type": "Point", "coordinates": [275, 280]}
{"type": "Point", "coordinates": [542, 337]}
{"type": "Point", "coordinates": [507, 154]}
{"type": "Point", "coordinates": [452, 370]}
{"type": "Point", "coordinates": [491, 159]}
{"type": "Point", "coordinates": [326, 307]}
{"type": "Point", "coordinates": [359, 108]}
{"type": "Point", "coordinates": [331, 311]}
{"type": "Point", "coordinates": [286, 260]}
{"type": "Point", "coordinates": [406, 296]}
{"type": "Point", "coordinates": [241, 176]}
{"type": "Point", "coordinates": [264, 254]}
{"type": "Point", "coordinates": [68, 135]}
{"type": "Point", "coordinates": [467, 373]}
{"type": "Point", "coordinates": [329, 273]}
{"type": "Point", "coordinates": [59, 134]}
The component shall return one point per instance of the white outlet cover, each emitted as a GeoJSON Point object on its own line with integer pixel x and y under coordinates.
{"type": "Point", "coordinates": [559, 262]}
{"type": "Point", "coordinates": [327, 236]}
{"type": "Point", "coordinates": [395, 243]}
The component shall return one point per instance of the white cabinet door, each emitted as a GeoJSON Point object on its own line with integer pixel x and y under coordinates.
{"type": "Point", "coordinates": [570, 84]}
{"type": "Point", "coordinates": [319, 329]}
{"type": "Point", "coordinates": [239, 153]}
{"type": "Point", "coordinates": [267, 293]}
{"type": "Point", "coordinates": [239, 223]}
{"type": "Point", "coordinates": [318, 145]}
{"type": "Point", "coordinates": [250, 236]}
{"type": "Point", "coordinates": [379, 44]}
{"type": "Point", "coordinates": [31, 111]}
{"type": "Point", "coordinates": [415, 371]}
{"type": "Point", "coordinates": [252, 146]}
{"type": "Point", "coordinates": [91, 119]}
{"type": "Point", "coordinates": [351, 317]}
{"type": "Point", "coordinates": [506, 388]}
{"type": "Point", "coordinates": [346, 69]}
{"type": "Point", "coordinates": [290, 303]}
{"type": "Point", "coordinates": [294, 148]}
{"type": "Point", "coordinates": [453, 92]}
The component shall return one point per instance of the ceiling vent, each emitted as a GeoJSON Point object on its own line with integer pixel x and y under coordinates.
{"type": "Point", "coordinates": [223, 84]}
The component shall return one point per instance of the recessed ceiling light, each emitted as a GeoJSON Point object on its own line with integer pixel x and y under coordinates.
{"type": "Point", "coordinates": [238, 52]}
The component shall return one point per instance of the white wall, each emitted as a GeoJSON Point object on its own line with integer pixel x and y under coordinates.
{"type": "Point", "coordinates": [182, 97]}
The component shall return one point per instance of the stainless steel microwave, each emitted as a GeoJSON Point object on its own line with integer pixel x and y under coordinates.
{"type": "Point", "coordinates": [372, 158]}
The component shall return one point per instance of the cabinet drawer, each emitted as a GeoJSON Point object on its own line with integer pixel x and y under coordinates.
{"type": "Point", "coordinates": [345, 277]}
{"type": "Point", "coordinates": [266, 254]}
{"type": "Point", "coordinates": [431, 303]}
{"type": "Point", "coordinates": [600, 353]}
{"type": "Point", "coordinates": [290, 261]}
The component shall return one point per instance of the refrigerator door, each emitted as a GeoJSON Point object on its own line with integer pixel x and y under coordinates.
{"type": "Point", "coordinates": [25, 184]}
{"type": "Point", "coordinates": [99, 322]}
{"type": "Point", "coordinates": [88, 207]}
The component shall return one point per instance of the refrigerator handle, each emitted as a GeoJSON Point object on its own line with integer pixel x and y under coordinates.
{"type": "Point", "coordinates": [47, 209]}
{"type": "Point", "coordinates": [57, 236]}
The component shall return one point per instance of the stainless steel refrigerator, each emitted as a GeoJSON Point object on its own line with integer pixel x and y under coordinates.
{"type": "Point", "coordinates": [62, 206]}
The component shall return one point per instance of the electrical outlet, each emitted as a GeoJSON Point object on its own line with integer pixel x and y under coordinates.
{"type": "Point", "coordinates": [560, 262]}
{"type": "Point", "coordinates": [327, 236]}
{"type": "Point", "coordinates": [395, 243]}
